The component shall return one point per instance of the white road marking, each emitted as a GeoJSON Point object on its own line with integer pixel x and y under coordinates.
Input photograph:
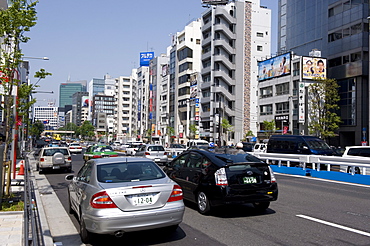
{"type": "Point", "coordinates": [334, 225]}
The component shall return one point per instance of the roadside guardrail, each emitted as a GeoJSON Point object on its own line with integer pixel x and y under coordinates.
{"type": "Point", "coordinates": [315, 161]}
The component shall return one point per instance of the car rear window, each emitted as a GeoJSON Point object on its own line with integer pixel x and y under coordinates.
{"type": "Point", "coordinates": [51, 152]}
{"type": "Point", "coordinates": [155, 148]}
{"type": "Point", "coordinates": [239, 158]}
{"type": "Point", "coordinates": [359, 152]}
{"type": "Point", "coordinates": [128, 172]}
{"type": "Point", "coordinates": [102, 149]}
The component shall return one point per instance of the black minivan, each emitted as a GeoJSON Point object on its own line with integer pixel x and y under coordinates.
{"type": "Point", "coordinates": [298, 144]}
{"type": "Point", "coordinates": [210, 179]}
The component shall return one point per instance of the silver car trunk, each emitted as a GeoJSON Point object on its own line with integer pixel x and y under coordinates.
{"type": "Point", "coordinates": [142, 195]}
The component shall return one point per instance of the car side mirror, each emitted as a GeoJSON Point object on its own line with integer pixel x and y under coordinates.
{"type": "Point", "coordinates": [69, 177]}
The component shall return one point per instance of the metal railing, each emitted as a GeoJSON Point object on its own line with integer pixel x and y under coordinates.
{"type": "Point", "coordinates": [316, 161]}
{"type": "Point", "coordinates": [32, 224]}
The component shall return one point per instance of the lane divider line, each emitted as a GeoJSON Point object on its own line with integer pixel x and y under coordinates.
{"type": "Point", "coordinates": [334, 225]}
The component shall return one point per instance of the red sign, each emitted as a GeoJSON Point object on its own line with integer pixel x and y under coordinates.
{"type": "Point", "coordinates": [285, 130]}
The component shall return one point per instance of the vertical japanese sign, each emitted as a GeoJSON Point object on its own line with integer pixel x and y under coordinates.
{"type": "Point", "coordinates": [301, 103]}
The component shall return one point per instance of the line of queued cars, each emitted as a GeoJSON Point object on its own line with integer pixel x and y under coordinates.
{"type": "Point", "coordinates": [108, 192]}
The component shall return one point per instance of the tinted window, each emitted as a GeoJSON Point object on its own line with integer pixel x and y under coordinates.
{"type": "Point", "coordinates": [318, 145]}
{"type": "Point", "coordinates": [359, 152]}
{"type": "Point", "coordinates": [155, 148]}
{"type": "Point", "coordinates": [240, 158]}
{"type": "Point", "coordinates": [128, 171]}
{"type": "Point", "coordinates": [51, 152]}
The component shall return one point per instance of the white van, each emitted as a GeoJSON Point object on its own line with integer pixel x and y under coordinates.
{"type": "Point", "coordinates": [260, 148]}
{"type": "Point", "coordinates": [358, 151]}
{"type": "Point", "coordinates": [203, 143]}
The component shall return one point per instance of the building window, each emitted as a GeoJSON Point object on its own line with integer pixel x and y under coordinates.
{"type": "Point", "coordinates": [266, 109]}
{"type": "Point", "coordinates": [282, 89]}
{"type": "Point", "coordinates": [266, 92]}
{"type": "Point", "coordinates": [260, 34]}
{"type": "Point", "coordinates": [282, 108]}
{"type": "Point", "coordinates": [259, 47]}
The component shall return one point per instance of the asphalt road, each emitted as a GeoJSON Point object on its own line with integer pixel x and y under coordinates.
{"type": "Point", "coordinates": [308, 212]}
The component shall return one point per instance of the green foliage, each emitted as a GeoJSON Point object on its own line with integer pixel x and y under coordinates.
{"type": "Point", "coordinates": [193, 129]}
{"type": "Point", "coordinates": [323, 99]}
{"type": "Point", "coordinates": [36, 129]}
{"type": "Point", "coordinates": [86, 129]}
{"type": "Point", "coordinates": [269, 127]}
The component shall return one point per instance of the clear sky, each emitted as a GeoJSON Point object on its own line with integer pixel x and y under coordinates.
{"type": "Point", "coordinates": [87, 39]}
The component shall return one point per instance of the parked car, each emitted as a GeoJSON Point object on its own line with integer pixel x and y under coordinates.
{"type": "Point", "coordinates": [124, 194]}
{"type": "Point", "coordinates": [75, 148]}
{"type": "Point", "coordinates": [132, 148]}
{"type": "Point", "coordinates": [99, 151]}
{"type": "Point", "coordinates": [356, 151]}
{"type": "Point", "coordinates": [298, 144]}
{"type": "Point", "coordinates": [54, 158]}
{"type": "Point", "coordinates": [155, 152]}
{"type": "Point", "coordinates": [212, 179]}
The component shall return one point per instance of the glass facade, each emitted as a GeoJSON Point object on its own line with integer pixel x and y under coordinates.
{"type": "Point", "coordinates": [340, 30]}
{"type": "Point", "coordinates": [66, 91]}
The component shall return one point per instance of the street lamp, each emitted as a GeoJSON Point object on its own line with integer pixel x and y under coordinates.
{"type": "Point", "coordinates": [37, 58]}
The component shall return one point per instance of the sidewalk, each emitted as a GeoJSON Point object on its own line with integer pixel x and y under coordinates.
{"type": "Point", "coordinates": [56, 226]}
{"type": "Point", "coordinates": [11, 223]}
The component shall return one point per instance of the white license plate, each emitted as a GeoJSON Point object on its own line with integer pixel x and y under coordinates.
{"type": "Point", "coordinates": [56, 167]}
{"type": "Point", "coordinates": [249, 180]}
{"type": "Point", "coordinates": [139, 200]}
{"type": "Point", "coordinates": [157, 159]}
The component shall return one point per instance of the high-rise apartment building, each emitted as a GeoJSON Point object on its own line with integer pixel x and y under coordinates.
{"type": "Point", "coordinates": [159, 94]}
{"type": "Point", "coordinates": [184, 70]}
{"type": "Point", "coordinates": [340, 31]}
{"type": "Point", "coordinates": [234, 37]}
{"type": "Point", "coordinates": [126, 113]}
{"type": "Point", "coordinates": [48, 116]}
{"type": "Point", "coordinates": [143, 101]}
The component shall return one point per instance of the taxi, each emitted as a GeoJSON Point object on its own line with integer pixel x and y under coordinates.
{"type": "Point", "coordinates": [99, 151]}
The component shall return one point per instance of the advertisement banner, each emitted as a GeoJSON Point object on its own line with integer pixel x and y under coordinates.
{"type": "Point", "coordinates": [145, 58]}
{"type": "Point", "coordinates": [274, 67]}
{"type": "Point", "coordinates": [85, 101]}
{"type": "Point", "coordinates": [313, 68]}
{"type": "Point", "coordinates": [301, 103]}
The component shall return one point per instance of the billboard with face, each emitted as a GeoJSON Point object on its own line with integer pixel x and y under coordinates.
{"type": "Point", "coordinates": [313, 68]}
{"type": "Point", "coordinates": [274, 67]}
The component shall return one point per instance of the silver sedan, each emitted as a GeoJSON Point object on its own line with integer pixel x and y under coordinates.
{"type": "Point", "coordinates": [118, 195]}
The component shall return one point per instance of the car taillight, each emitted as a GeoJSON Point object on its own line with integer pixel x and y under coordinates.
{"type": "Point", "coordinates": [147, 153]}
{"type": "Point", "coordinates": [272, 175]}
{"type": "Point", "coordinates": [97, 156]}
{"type": "Point", "coordinates": [113, 155]}
{"type": "Point", "coordinates": [42, 159]}
{"type": "Point", "coordinates": [165, 153]}
{"type": "Point", "coordinates": [79, 147]}
{"type": "Point", "coordinates": [220, 177]}
{"type": "Point", "coordinates": [102, 200]}
{"type": "Point", "coordinates": [69, 158]}
{"type": "Point", "coordinates": [176, 194]}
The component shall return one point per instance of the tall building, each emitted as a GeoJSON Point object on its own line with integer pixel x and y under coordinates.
{"type": "Point", "coordinates": [126, 113]}
{"type": "Point", "coordinates": [66, 91]}
{"type": "Point", "coordinates": [340, 31]}
{"type": "Point", "coordinates": [235, 37]}
{"type": "Point", "coordinates": [143, 101]}
{"type": "Point", "coordinates": [159, 104]}
{"type": "Point", "coordinates": [48, 116]}
{"type": "Point", "coordinates": [80, 100]}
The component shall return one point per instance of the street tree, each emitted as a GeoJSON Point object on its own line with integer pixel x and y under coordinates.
{"type": "Point", "coordinates": [323, 98]}
{"type": "Point", "coordinates": [269, 127]}
{"type": "Point", "coordinates": [170, 132]}
{"type": "Point", "coordinates": [36, 129]}
{"type": "Point", "coordinates": [15, 21]}
{"type": "Point", "coordinates": [226, 128]}
{"type": "Point", "coordinates": [193, 129]}
{"type": "Point", "coordinates": [87, 129]}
